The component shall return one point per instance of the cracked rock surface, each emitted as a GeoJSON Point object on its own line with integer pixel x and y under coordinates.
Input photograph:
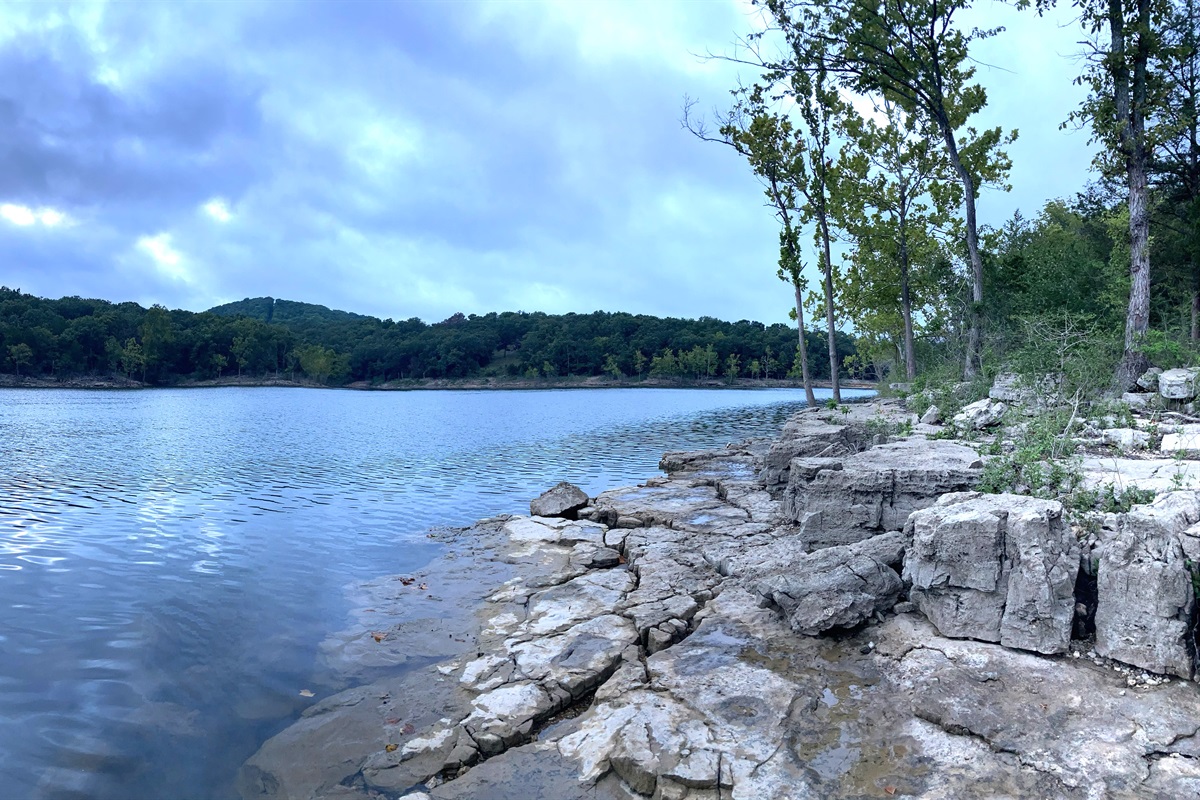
{"type": "Point", "coordinates": [690, 638]}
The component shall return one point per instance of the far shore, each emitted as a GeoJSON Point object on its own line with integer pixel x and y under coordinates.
{"type": "Point", "coordinates": [9, 381]}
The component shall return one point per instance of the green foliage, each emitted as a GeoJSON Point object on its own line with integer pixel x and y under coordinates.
{"type": "Point", "coordinates": [1168, 351]}
{"type": "Point", "coordinates": [20, 355]}
{"type": "Point", "coordinates": [1040, 462]}
{"type": "Point", "coordinates": [1077, 354]}
{"type": "Point", "coordinates": [889, 428]}
{"type": "Point", "coordinates": [73, 336]}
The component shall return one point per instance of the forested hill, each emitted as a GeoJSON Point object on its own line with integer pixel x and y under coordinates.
{"type": "Point", "coordinates": [262, 336]}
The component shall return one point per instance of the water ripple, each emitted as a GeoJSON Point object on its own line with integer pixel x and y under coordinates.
{"type": "Point", "coordinates": [171, 559]}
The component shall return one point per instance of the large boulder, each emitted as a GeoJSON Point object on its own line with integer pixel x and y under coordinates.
{"type": "Point", "coordinates": [844, 500]}
{"type": "Point", "coordinates": [564, 500]}
{"type": "Point", "coordinates": [1145, 602]}
{"type": "Point", "coordinates": [1000, 568]}
{"type": "Point", "coordinates": [980, 414]}
{"type": "Point", "coordinates": [838, 587]}
{"type": "Point", "coordinates": [1178, 384]}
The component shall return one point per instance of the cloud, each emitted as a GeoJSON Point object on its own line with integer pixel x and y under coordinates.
{"type": "Point", "coordinates": [414, 159]}
{"type": "Point", "coordinates": [218, 210]}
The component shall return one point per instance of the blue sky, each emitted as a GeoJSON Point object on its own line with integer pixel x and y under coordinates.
{"type": "Point", "coordinates": [421, 158]}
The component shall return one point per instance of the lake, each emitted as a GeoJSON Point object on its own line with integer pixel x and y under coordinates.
{"type": "Point", "coordinates": [170, 560]}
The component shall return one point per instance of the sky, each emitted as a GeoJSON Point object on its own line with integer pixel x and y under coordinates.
{"type": "Point", "coordinates": [418, 159]}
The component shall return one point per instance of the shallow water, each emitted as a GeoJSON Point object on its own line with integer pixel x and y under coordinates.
{"type": "Point", "coordinates": [170, 560]}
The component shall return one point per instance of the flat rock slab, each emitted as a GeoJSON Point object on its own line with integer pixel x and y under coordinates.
{"type": "Point", "coordinates": [672, 504]}
{"type": "Point", "coordinates": [840, 501]}
{"type": "Point", "coordinates": [1074, 722]}
{"type": "Point", "coordinates": [1153, 474]}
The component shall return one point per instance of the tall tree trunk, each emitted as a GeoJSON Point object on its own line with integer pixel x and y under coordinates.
{"type": "Point", "coordinates": [1195, 332]}
{"type": "Point", "coordinates": [1130, 104]}
{"type": "Point", "coordinates": [974, 357]}
{"type": "Point", "coordinates": [910, 357]}
{"type": "Point", "coordinates": [802, 349]}
{"type": "Point", "coordinates": [827, 268]}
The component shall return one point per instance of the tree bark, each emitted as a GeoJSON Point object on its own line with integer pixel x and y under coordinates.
{"type": "Point", "coordinates": [1195, 332]}
{"type": "Point", "coordinates": [1130, 101]}
{"type": "Point", "coordinates": [974, 356]}
{"type": "Point", "coordinates": [910, 358]}
{"type": "Point", "coordinates": [828, 270]}
{"type": "Point", "coordinates": [803, 348]}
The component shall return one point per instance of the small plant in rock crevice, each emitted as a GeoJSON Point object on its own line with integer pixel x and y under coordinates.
{"type": "Point", "coordinates": [1041, 462]}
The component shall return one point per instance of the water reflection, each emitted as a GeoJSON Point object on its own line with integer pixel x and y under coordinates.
{"type": "Point", "coordinates": [170, 559]}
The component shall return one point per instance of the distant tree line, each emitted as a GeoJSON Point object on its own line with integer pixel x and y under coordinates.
{"type": "Point", "coordinates": [261, 337]}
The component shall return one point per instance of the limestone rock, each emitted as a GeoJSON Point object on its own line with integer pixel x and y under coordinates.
{"type": "Point", "coordinates": [1185, 437]}
{"type": "Point", "coordinates": [932, 416]}
{"type": "Point", "coordinates": [1076, 726]}
{"type": "Point", "coordinates": [1148, 382]}
{"type": "Point", "coordinates": [837, 587]}
{"type": "Point", "coordinates": [1137, 400]}
{"type": "Point", "coordinates": [808, 436]}
{"type": "Point", "coordinates": [1178, 384]}
{"type": "Point", "coordinates": [840, 501]}
{"type": "Point", "coordinates": [1127, 438]}
{"type": "Point", "coordinates": [1145, 601]}
{"type": "Point", "coordinates": [1000, 568]}
{"type": "Point", "coordinates": [1008, 388]}
{"type": "Point", "coordinates": [980, 414]}
{"type": "Point", "coordinates": [564, 500]}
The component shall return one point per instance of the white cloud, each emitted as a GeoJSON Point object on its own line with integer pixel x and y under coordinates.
{"type": "Point", "coordinates": [218, 210]}
{"type": "Point", "coordinates": [26, 216]}
{"type": "Point", "coordinates": [18, 215]}
{"type": "Point", "coordinates": [166, 258]}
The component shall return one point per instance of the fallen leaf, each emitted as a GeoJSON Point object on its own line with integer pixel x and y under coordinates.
{"type": "Point", "coordinates": [305, 693]}
{"type": "Point", "coordinates": [407, 581]}
{"type": "Point", "coordinates": [408, 728]}
{"type": "Point", "coordinates": [378, 636]}
{"type": "Point", "coordinates": [890, 789]}
{"type": "Point", "coordinates": [392, 721]}
{"type": "Point", "coordinates": [391, 748]}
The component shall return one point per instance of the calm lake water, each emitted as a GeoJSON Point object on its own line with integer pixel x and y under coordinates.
{"type": "Point", "coordinates": [170, 560]}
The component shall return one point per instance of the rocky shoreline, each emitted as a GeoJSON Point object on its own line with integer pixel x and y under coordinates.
{"type": "Point", "coordinates": [832, 614]}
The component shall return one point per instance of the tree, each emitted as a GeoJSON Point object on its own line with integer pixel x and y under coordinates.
{"type": "Point", "coordinates": [893, 202]}
{"type": "Point", "coordinates": [132, 358]}
{"type": "Point", "coordinates": [156, 336]}
{"type": "Point", "coordinates": [1123, 98]}
{"type": "Point", "coordinates": [1175, 166]}
{"type": "Point", "coordinates": [775, 152]}
{"type": "Point", "coordinates": [20, 355]}
{"type": "Point", "coordinates": [732, 367]}
{"type": "Point", "coordinates": [913, 53]}
{"type": "Point", "coordinates": [612, 368]}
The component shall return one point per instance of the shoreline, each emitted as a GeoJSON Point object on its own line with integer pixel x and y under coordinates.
{"type": "Point", "coordinates": [744, 628]}
{"type": "Point", "coordinates": [8, 381]}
